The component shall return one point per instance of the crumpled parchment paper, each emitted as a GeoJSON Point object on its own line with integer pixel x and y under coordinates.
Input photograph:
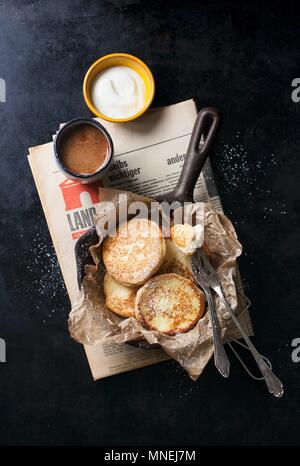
{"type": "Point", "coordinates": [90, 322]}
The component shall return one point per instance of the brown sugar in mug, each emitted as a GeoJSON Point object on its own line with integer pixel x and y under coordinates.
{"type": "Point", "coordinates": [83, 150]}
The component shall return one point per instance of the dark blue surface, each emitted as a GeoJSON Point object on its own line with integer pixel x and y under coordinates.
{"type": "Point", "coordinates": [238, 56]}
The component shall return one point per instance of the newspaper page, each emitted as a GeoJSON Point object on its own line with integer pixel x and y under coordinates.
{"type": "Point", "coordinates": [148, 156]}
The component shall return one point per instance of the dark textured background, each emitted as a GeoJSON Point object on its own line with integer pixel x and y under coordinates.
{"type": "Point", "coordinates": [238, 56]}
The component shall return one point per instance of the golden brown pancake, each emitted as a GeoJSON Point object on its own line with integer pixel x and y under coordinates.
{"type": "Point", "coordinates": [135, 253]}
{"type": "Point", "coordinates": [169, 303]}
{"type": "Point", "coordinates": [119, 298]}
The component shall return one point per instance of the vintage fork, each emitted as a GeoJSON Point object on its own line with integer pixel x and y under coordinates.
{"type": "Point", "coordinates": [220, 357]}
{"type": "Point", "coordinates": [274, 385]}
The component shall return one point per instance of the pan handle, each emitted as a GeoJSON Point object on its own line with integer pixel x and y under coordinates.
{"type": "Point", "coordinates": [196, 155]}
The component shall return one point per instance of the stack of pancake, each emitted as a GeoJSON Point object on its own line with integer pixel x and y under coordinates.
{"type": "Point", "coordinates": [149, 277]}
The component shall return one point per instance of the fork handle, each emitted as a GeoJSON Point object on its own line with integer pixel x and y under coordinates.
{"type": "Point", "coordinates": [220, 356]}
{"type": "Point", "coordinates": [274, 385]}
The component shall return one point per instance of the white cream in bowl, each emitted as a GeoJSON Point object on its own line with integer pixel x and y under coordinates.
{"type": "Point", "coordinates": [118, 92]}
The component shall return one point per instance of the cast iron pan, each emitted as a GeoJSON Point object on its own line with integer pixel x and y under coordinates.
{"type": "Point", "coordinates": [206, 126]}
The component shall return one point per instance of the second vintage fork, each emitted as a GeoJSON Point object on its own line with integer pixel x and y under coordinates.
{"type": "Point", "coordinates": [274, 385]}
{"type": "Point", "coordinates": [220, 356]}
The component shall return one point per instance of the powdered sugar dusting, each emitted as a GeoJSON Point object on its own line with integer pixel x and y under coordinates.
{"type": "Point", "coordinates": [237, 167]}
{"type": "Point", "coordinates": [249, 174]}
{"type": "Point", "coordinates": [42, 286]}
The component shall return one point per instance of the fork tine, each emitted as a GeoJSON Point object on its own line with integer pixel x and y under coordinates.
{"type": "Point", "coordinates": [198, 253]}
{"type": "Point", "coordinates": [203, 255]}
{"type": "Point", "coordinates": [195, 264]}
{"type": "Point", "coordinates": [206, 262]}
{"type": "Point", "coordinates": [203, 262]}
{"type": "Point", "coordinates": [199, 258]}
{"type": "Point", "coordinates": [195, 267]}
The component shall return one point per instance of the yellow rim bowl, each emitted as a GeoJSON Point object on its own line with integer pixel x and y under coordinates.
{"type": "Point", "coordinates": [119, 59]}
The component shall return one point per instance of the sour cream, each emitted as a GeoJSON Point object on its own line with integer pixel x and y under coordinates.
{"type": "Point", "coordinates": [187, 238]}
{"type": "Point", "coordinates": [118, 92]}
